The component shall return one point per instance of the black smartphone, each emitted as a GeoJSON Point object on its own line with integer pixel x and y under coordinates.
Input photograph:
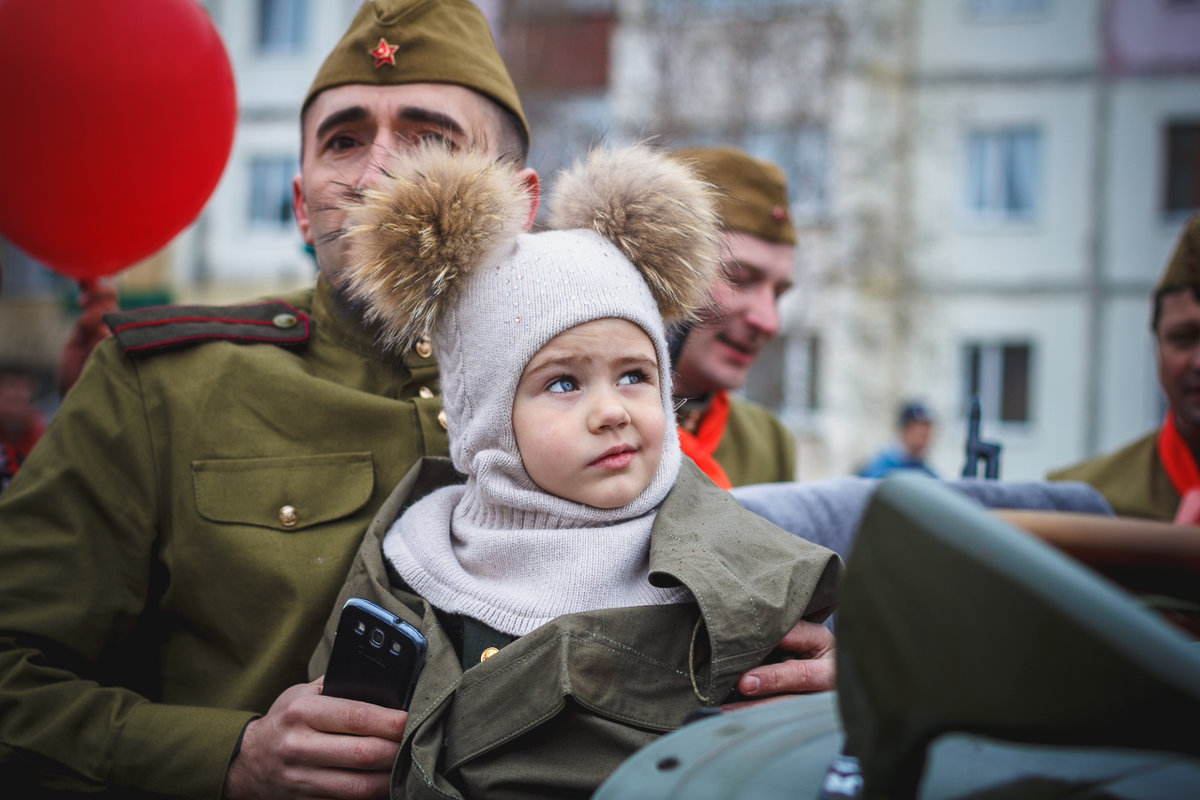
{"type": "Point", "coordinates": [376, 656]}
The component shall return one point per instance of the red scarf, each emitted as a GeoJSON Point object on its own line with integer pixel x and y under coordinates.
{"type": "Point", "coordinates": [699, 447]}
{"type": "Point", "coordinates": [1176, 457]}
{"type": "Point", "coordinates": [1177, 461]}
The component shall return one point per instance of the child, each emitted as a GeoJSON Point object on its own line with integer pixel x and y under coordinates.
{"type": "Point", "coordinates": [581, 590]}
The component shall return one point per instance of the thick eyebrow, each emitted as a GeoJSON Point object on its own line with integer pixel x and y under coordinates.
{"type": "Point", "coordinates": [418, 114]}
{"type": "Point", "coordinates": [406, 114]}
{"type": "Point", "coordinates": [341, 117]}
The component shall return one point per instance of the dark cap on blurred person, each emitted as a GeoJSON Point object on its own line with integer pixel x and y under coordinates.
{"type": "Point", "coordinates": [914, 411]}
{"type": "Point", "coordinates": [1183, 269]}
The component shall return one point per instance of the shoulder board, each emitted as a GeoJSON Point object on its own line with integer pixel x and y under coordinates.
{"type": "Point", "coordinates": [146, 331]}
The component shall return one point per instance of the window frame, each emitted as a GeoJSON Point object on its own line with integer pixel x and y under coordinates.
{"type": "Point", "coordinates": [261, 196]}
{"type": "Point", "coordinates": [1172, 211]}
{"type": "Point", "coordinates": [277, 37]}
{"type": "Point", "coordinates": [991, 379]}
{"type": "Point", "coordinates": [991, 174]}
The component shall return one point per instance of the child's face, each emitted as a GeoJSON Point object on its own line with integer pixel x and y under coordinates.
{"type": "Point", "coordinates": [588, 414]}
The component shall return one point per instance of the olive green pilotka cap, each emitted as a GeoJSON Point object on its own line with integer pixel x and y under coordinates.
{"type": "Point", "coordinates": [420, 41]}
{"type": "Point", "coordinates": [1184, 267]}
{"type": "Point", "coordinates": [752, 196]}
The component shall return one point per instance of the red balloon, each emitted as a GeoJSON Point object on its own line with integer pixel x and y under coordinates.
{"type": "Point", "coordinates": [118, 120]}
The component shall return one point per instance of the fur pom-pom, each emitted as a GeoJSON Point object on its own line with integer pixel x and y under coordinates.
{"type": "Point", "coordinates": [662, 217]}
{"type": "Point", "coordinates": [433, 216]}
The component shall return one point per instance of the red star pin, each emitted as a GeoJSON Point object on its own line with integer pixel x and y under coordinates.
{"type": "Point", "coordinates": [384, 53]}
{"type": "Point", "coordinates": [779, 214]}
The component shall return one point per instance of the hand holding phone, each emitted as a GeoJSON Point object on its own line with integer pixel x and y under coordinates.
{"type": "Point", "coordinates": [376, 656]}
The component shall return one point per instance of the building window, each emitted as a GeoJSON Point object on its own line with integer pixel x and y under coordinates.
{"type": "Point", "coordinates": [282, 26]}
{"type": "Point", "coordinates": [271, 192]}
{"type": "Point", "coordinates": [1006, 10]}
{"type": "Point", "coordinates": [802, 153]}
{"type": "Point", "coordinates": [1003, 174]}
{"type": "Point", "coordinates": [740, 8]}
{"type": "Point", "coordinates": [1000, 374]}
{"type": "Point", "coordinates": [1182, 167]}
{"type": "Point", "coordinates": [806, 172]}
{"type": "Point", "coordinates": [812, 380]}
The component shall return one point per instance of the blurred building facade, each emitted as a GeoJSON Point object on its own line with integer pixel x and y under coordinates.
{"type": "Point", "coordinates": [985, 190]}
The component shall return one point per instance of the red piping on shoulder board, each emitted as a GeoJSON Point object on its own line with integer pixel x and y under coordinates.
{"type": "Point", "coordinates": [149, 323]}
{"type": "Point", "coordinates": [296, 335]}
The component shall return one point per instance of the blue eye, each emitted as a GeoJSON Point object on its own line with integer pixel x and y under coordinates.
{"type": "Point", "coordinates": [562, 384]}
{"type": "Point", "coordinates": [634, 376]}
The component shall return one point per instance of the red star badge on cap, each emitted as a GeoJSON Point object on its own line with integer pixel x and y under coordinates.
{"type": "Point", "coordinates": [384, 53]}
{"type": "Point", "coordinates": [778, 213]}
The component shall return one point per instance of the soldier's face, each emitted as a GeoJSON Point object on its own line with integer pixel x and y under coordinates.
{"type": "Point", "coordinates": [1178, 345]}
{"type": "Point", "coordinates": [719, 353]}
{"type": "Point", "coordinates": [348, 132]}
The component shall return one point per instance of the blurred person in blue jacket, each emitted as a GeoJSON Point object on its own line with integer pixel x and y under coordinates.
{"type": "Point", "coordinates": [915, 433]}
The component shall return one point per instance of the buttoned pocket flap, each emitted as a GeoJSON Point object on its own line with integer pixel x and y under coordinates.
{"type": "Point", "coordinates": [286, 494]}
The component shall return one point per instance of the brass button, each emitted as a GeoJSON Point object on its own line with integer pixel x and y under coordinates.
{"type": "Point", "coordinates": [288, 516]}
{"type": "Point", "coordinates": [445, 423]}
{"type": "Point", "coordinates": [425, 392]}
{"type": "Point", "coordinates": [424, 348]}
{"type": "Point", "coordinates": [284, 321]}
{"type": "Point", "coordinates": [488, 653]}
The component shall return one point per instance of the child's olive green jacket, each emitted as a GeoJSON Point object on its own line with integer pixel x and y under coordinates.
{"type": "Point", "coordinates": [555, 711]}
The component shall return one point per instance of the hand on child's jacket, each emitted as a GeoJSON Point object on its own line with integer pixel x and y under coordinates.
{"type": "Point", "coordinates": [309, 745]}
{"type": "Point", "coordinates": [814, 668]}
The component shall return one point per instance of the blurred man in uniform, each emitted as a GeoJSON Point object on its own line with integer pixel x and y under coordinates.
{"type": "Point", "coordinates": [1149, 477]}
{"type": "Point", "coordinates": [736, 442]}
{"type": "Point", "coordinates": [172, 547]}
{"type": "Point", "coordinates": [914, 426]}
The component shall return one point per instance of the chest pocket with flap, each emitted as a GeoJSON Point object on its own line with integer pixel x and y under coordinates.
{"type": "Point", "coordinates": [288, 493]}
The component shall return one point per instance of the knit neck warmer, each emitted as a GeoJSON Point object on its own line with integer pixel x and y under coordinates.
{"type": "Point", "coordinates": [516, 569]}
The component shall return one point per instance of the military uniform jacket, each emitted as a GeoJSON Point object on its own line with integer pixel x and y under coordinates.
{"type": "Point", "coordinates": [171, 549]}
{"type": "Point", "coordinates": [555, 711]}
{"type": "Point", "coordinates": [1131, 479]}
{"type": "Point", "coordinates": [756, 447]}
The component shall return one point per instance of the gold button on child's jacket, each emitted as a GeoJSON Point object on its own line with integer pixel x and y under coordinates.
{"type": "Point", "coordinates": [288, 516]}
{"type": "Point", "coordinates": [488, 653]}
{"type": "Point", "coordinates": [425, 392]}
{"type": "Point", "coordinates": [443, 421]}
{"type": "Point", "coordinates": [424, 348]}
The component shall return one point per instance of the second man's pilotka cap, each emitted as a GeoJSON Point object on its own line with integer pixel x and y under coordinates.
{"type": "Point", "coordinates": [752, 194]}
{"type": "Point", "coordinates": [420, 41]}
{"type": "Point", "coordinates": [1184, 267]}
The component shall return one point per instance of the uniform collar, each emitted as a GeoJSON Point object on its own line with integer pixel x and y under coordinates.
{"type": "Point", "coordinates": [344, 326]}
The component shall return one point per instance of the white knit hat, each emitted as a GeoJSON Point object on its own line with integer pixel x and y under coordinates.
{"type": "Point", "coordinates": [436, 248]}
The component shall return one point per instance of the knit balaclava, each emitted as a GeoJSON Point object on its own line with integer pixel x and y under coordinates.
{"type": "Point", "coordinates": [437, 248]}
{"type": "Point", "coordinates": [548, 283]}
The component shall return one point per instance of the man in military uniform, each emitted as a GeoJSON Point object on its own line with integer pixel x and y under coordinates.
{"type": "Point", "coordinates": [734, 441]}
{"type": "Point", "coordinates": [172, 547]}
{"type": "Point", "coordinates": [1148, 477]}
